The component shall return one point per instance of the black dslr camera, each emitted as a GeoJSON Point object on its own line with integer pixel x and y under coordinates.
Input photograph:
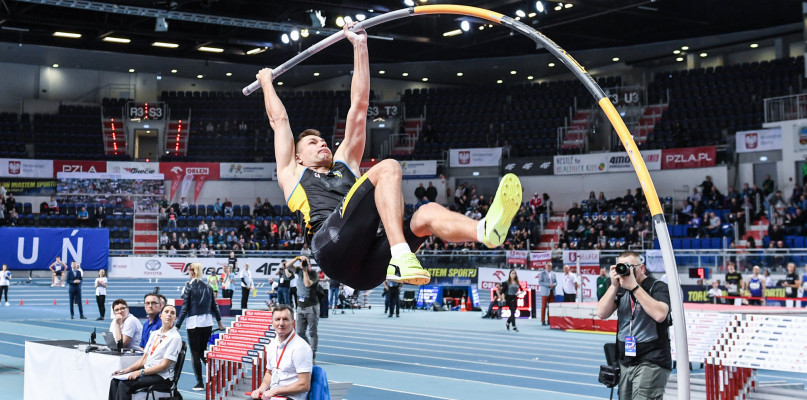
{"type": "Point", "coordinates": [623, 269]}
{"type": "Point", "coordinates": [609, 375]}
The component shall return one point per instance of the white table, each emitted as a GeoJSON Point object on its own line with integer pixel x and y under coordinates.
{"type": "Point", "coordinates": [55, 369]}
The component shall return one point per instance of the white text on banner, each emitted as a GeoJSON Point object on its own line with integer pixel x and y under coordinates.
{"type": "Point", "coordinates": [482, 157]}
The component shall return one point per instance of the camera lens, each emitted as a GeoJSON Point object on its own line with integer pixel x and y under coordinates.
{"type": "Point", "coordinates": [623, 269]}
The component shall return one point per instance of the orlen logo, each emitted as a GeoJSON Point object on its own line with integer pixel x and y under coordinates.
{"type": "Point", "coordinates": [14, 167]}
{"type": "Point", "coordinates": [464, 157]}
{"type": "Point", "coordinates": [197, 171]}
{"type": "Point", "coordinates": [499, 275]}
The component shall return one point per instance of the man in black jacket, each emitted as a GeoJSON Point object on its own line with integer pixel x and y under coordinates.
{"type": "Point", "coordinates": [73, 279]}
{"type": "Point", "coordinates": [643, 341]}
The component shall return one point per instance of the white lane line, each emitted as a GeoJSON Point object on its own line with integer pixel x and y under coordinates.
{"type": "Point", "coordinates": [474, 381]}
{"type": "Point", "coordinates": [15, 344]}
{"type": "Point", "coordinates": [466, 370]}
{"type": "Point", "coordinates": [486, 363]}
{"type": "Point", "coordinates": [404, 392]}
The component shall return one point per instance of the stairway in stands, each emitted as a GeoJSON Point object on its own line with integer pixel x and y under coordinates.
{"type": "Point", "coordinates": [114, 136]}
{"type": "Point", "coordinates": [412, 128]}
{"type": "Point", "coordinates": [647, 122]}
{"type": "Point", "coordinates": [576, 133]}
{"type": "Point", "coordinates": [552, 231]}
{"type": "Point", "coordinates": [146, 234]}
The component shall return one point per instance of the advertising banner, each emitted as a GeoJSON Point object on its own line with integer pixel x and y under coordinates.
{"type": "Point", "coordinates": [132, 167]}
{"type": "Point", "coordinates": [517, 257]}
{"type": "Point", "coordinates": [419, 169]}
{"type": "Point", "coordinates": [177, 267]}
{"type": "Point", "coordinates": [179, 172]}
{"type": "Point", "coordinates": [103, 175]}
{"type": "Point", "coordinates": [90, 167]}
{"type": "Point", "coordinates": [759, 140]}
{"type": "Point", "coordinates": [489, 277]}
{"type": "Point", "coordinates": [540, 259]}
{"type": "Point", "coordinates": [800, 140]}
{"type": "Point", "coordinates": [37, 248]}
{"type": "Point", "coordinates": [689, 157]}
{"type": "Point", "coordinates": [256, 171]}
{"type": "Point", "coordinates": [25, 168]}
{"type": "Point", "coordinates": [620, 162]}
{"type": "Point", "coordinates": [481, 157]}
{"type": "Point", "coordinates": [29, 187]}
{"type": "Point", "coordinates": [459, 276]}
{"type": "Point", "coordinates": [653, 261]}
{"type": "Point", "coordinates": [581, 164]}
{"type": "Point", "coordinates": [588, 258]}
{"type": "Point", "coordinates": [529, 166]}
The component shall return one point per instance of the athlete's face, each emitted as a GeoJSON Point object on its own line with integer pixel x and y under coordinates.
{"type": "Point", "coordinates": [313, 151]}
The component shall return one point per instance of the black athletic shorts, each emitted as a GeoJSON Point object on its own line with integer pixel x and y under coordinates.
{"type": "Point", "coordinates": [58, 273]}
{"type": "Point", "coordinates": [351, 246]}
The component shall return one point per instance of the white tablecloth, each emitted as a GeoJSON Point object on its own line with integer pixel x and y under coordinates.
{"type": "Point", "coordinates": [57, 370]}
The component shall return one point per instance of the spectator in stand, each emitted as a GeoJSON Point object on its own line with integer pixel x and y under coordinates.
{"type": "Point", "coordinates": [172, 251]}
{"type": "Point", "coordinates": [776, 234]}
{"type": "Point", "coordinates": [536, 202]}
{"type": "Point", "coordinates": [570, 285]}
{"type": "Point", "coordinates": [420, 192]}
{"type": "Point", "coordinates": [53, 205]}
{"type": "Point", "coordinates": [715, 293]}
{"type": "Point", "coordinates": [496, 301]}
{"type": "Point", "coordinates": [83, 216]}
{"type": "Point", "coordinates": [227, 206]}
{"type": "Point", "coordinates": [713, 229]}
{"type": "Point", "coordinates": [217, 209]}
{"type": "Point", "coordinates": [546, 289]}
{"type": "Point", "coordinates": [257, 208]}
{"type": "Point", "coordinates": [694, 228]}
{"type": "Point", "coordinates": [100, 220]}
{"type": "Point", "coordinates": [695, 196]}
{"type": "Point", "coordinates": [203, 229]}
{"type": "Point", "coordinates": [431, 192]}
{"type": "Point", "coordinates": [171, 218]}
{"type": "Point", "coordinates": [184, 207]}
{"type": "Point", "coordinates": [768, 186]}
{"type": "Point", "coordinates": [183, 242]}
{"type": "Point", "coordinates": [268, 208]}
{"type": "Point", "coordinates": [164, 239]}
{"type": "Point", "coordinates": [152, 305]}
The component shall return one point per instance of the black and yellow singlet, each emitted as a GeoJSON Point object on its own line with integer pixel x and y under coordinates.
{"type": "Point", "coordinates": [317, 195]}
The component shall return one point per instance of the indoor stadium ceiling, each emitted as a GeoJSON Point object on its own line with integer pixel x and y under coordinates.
{"type": "Point", "coordinates": [250, 32]}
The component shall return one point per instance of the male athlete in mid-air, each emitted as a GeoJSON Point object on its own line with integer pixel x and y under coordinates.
{"type": "Point", "coordinates": [342, 209]}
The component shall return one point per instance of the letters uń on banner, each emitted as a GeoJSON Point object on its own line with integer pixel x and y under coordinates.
{"type": "Point", "coordinates": [37, 248]}
{"type": "Point", "coordinates": [759, 140]}
{"type": "Point", "coordinates": [177, 267]}
{"type": "Point", "coordinates": [528, 166]}
{"type": "Point", "coordinates": [581, 164]}
{"type": "Point", "coordinates": [586, 257]}
{"type": "Point", "coordinates": [257, 171]}
{"type": "Point", "coordinates": [132, 167]}
{"type": "Point", "coordinates": [690, 157]}
{"type": "Point", "coordinates": [26, 168]}
{"type": "Point", "coordinates": [481, 157]}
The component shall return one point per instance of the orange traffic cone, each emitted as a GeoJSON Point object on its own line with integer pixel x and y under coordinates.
{"type": "Point", "coordinates": [462, 307]}
{"type": "Point", "coordinates": [86, 302]}
{"type": "Point", "coordinates": [20, 301]}
{"type": "Point", "coordinates": [54, 302]}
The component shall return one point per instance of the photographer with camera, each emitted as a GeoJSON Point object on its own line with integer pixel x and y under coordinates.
{"type": "Point", "coordinates": [643, 349]}
{"type": "Point", "coordinates": [308, 304]}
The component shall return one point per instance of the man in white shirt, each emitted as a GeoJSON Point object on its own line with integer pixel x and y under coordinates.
{"type": "Point", "coordinates": [570, 285]}
{"type": "Point", "coordinates": [126, 328]}
{"type": "Point", "coordinates": [246, 286]}
{"type": "Point", "coordinates": [289, 363]}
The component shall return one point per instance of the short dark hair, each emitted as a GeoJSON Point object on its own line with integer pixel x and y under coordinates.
{"type": "Point", "coordinates": [285, 307]}
{"type": "Point", "coordinates": [119, 301]}
{"type": "Point", "coordinates": [151, 294]}
{"type": "Point", "coordinates": [629, 253]}
{"type": "Point", "coordinates": [306, 133]}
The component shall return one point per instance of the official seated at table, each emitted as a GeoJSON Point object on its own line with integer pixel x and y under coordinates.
{"type": "Point", "coordinates": [156, 367]}
{"type": "Point", "coordinates": [289, 362]}
{"type": "Point", "coordinates": [126, 328]}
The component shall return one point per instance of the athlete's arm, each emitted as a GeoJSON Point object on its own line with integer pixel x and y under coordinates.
{"type": "Point", "coordinates": [352, 147]}
{"type": "Point", "coordinates": [284, 139]}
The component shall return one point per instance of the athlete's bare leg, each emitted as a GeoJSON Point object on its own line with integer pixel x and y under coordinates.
{"type": "Point", "coordinates": [386, 177]}
{"type": "Point", "coordinates": [434, 219]}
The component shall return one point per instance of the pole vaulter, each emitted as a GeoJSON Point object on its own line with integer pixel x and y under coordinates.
{"type": "Point", "coordinates": [671, 269]}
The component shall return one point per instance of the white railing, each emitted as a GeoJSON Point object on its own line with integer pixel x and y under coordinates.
{"type": "Point", "coordinates": [786, 108]}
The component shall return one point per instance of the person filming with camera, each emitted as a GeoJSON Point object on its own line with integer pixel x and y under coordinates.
{"type": "Point", "coordinates": [643, 349]}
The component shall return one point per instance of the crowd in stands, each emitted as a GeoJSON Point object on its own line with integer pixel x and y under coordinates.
{"type": "Point", "coordinates": [110, 192]}
{"type": "Point", "coordinates": [207, 230]}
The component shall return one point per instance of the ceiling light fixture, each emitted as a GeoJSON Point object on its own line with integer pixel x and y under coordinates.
{"type": "Point", "coordinates": [704, 54]}
{"type": "Point", "coordinates": [425, 79]}
{"type": "Point", "coordinates": [481, 27]}
{"type": "Point", "coordinates": [55, 65]}
{"type": "Point", "coordinates": [532, 15]}
{"type": "Point", "coordinates": [521, 13]}
{"type": "Point", "coordinates": [568, 5]}
{"type": "Point", "coordinates": [754, 45]}
{"type": "Point", "coordinates": [499, 81]}
{"type": "Point", "coordinates": [382, 72]}
{"type": "Point", "coordinates": [465, 26]}
{"type": "Point", "coordinates": [117, 40]}
{"type": "Point", "coordinates": [284, 38]}
{"type": "Point", "coordinates": [455, 32]}
{"type": "Point", "coordinates": [551, 65]}
{"type": "Point", "coordinates": [67, 35]}
{"type": "Point", "coordinates": [409, 3]}
{"type": "Point", "coordinates": [229, 74]}
{"type": "Point", "coordinates": [340, 21]}
{"type": "Point", "coordinates": [211, 49]}
{"type": "Point", "coordinates": [316, 73]}
{"type": "Point", "coordinates": [679, 59]}
{"type": "Point", "coordinates": [676, 51]}
{"type": "Point", "coordinates": [280, 84]}
{"type": "Point", "coordinates": [173, 71]}
{"type": "Point", "coordinates": [459, 73]}
{"type": "Point", "coordinates": [165, 44]}
{"type": "Point", "coordinates": [360, 17]}
{"type": "Point", "coordinates": [131, 70]}
{"type": "Point", "coordinates": [684, 48]}
{"type": "Point", "coordinates": [200, 76]}
{"type": "Point", "coordinates": [295, 35]}
{"type": "Point", "coordinates": [254, 51]}
{"type": "Point", "coordinates": [348, 20]}
{"type": "Point", "coordinates": [615, 59]}
{"type": "Point", "coordinates": [530, 77]}
{"type": "Point", "coordinates": [405, 74]}
{"type": "Point", "coordinates": [513, 72]}
{"type": "Point", "coordinates": [539, 6]}
{"type": "Point", "coordinates": [304, 33]}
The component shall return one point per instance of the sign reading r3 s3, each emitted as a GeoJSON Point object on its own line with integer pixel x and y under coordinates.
{"type": "Point", "coordinates": [146, 111]}
{"type": "Point", "coordinates": [37, 248]}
